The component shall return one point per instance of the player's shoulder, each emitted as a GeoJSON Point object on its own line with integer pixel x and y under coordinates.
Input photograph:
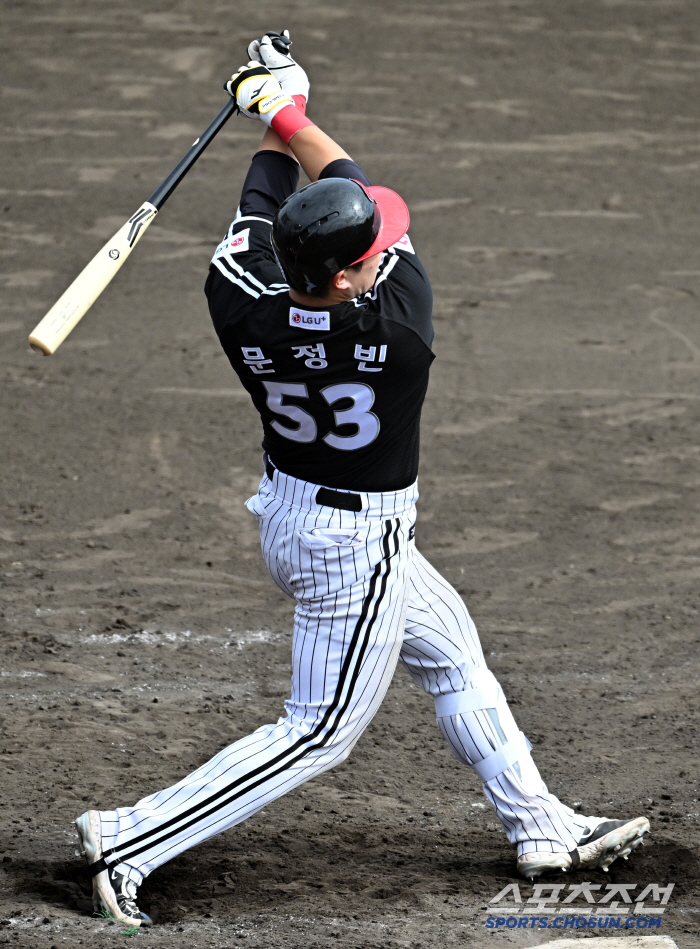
{"type": "Point", "coordinates": [244, 268]}
{"type": "Point", "coordinates": [402, 266]}
{"type": "Point", "coordinates": [402, 291]}
{"type": "Point", "coordinates": [404, 247]}
{"type": "Point", "coordinates": [248, 234]}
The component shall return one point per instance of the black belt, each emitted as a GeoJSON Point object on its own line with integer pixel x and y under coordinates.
{"type": "Point", "coordinates": [344, 500]}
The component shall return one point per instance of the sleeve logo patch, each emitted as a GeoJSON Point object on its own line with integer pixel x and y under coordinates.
{"type": "Point", "coordinates": [405, 244]}
{"type": "Point", "coordinates": [235, 244]}
{"type": "Point", "coordinates": [239, 241]}
{"type": "Point", "coordinates": [309, 319]}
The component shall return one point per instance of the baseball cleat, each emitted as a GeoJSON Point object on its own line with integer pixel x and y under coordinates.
{"type": "Point", "coordinates": [112, 893]}
{"type": "Point", "coordinates": [600, 845]}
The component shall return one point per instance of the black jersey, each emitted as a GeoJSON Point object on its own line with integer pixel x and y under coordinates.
{"type": "Point", "coordinates": [339, 389]}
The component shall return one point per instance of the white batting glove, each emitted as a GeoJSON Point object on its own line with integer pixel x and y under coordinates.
{"type": "Point", "coordinates": [257, 93]}
{"type": "Point", "coordinates": [273, 51]}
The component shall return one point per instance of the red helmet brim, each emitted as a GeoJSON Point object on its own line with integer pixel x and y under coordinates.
{"type": "Point", "coordinates": [395, 220]}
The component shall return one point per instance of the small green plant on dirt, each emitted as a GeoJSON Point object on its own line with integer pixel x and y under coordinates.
{"type": "Point", "coordinates": [104, 914]}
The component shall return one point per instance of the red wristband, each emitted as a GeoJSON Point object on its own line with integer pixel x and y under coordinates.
{"type": "Point", "coordinates": [288, 122]}
{"type": "Point", "coordinates": [300, 102]}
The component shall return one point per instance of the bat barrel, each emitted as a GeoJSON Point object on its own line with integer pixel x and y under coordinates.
{"type": "Point", "coordinates": [64, 315]}
{"type": "Point", "coordinates": [48, 335]}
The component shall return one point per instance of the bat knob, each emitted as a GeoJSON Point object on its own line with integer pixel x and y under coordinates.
{"type": "Point", "coordinates": [280, 42]}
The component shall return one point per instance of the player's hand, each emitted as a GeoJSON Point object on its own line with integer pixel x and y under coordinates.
{"type": "Point", "coordinates": [281, 41]}
{"type": "Point", "coordinates": [273, 51]}
{"type": "Point", "coordinates": [257, 93]}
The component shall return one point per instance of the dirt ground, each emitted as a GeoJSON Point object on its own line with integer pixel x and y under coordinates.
{"type": "Point", "coordinates": [549, 151]}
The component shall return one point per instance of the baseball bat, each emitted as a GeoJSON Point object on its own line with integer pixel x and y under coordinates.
{"type": "Point", "coordinates": [69, 309]}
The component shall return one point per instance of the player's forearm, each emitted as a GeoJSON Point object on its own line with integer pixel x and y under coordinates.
{"type": "Point", "coordinates": [271, 142]}
{"type": "Point", "coordinates": [313, 149]}
{"type": "Point", "coordinates": [309, 144]}
{"type": "Point", "coordinates": [270, 180]}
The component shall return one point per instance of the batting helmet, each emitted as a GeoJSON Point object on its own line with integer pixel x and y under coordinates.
{"type": "Point", "coordinates": [330, 225]}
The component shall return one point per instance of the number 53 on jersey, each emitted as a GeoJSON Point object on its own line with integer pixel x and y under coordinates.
{"type": "Point", "coordinates": [365, 422]}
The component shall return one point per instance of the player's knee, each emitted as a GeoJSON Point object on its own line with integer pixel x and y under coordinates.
{"type": "Point", "coordinates": [482, 692]}
{"type": "Point", "coordinates": [341, 754]}
{"type": "Point", "coordinates": [341, 747]}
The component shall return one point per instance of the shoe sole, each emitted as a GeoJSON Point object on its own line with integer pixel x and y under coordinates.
{"type": "Point", "coordinates": [618, 843]}
{"type": "Point", "coordinates": [542, 863]}
{"type": "Point", "coordinates": [599, 854]}
{"type": "Point", "coordinates": [103, 896]}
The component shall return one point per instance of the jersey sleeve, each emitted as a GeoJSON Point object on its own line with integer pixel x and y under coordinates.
{"type": "Point", "coordinates": [242, 271]}
{"type": "Point", "coordinates": [244, 267]}
{"type": "Point", "coordinates": [345, 168]}
{"type": "Point", "coordinates": [271, 178]}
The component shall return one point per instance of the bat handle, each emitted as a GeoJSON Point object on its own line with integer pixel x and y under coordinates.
{"type": "Point", "coordinates": [166, 187]}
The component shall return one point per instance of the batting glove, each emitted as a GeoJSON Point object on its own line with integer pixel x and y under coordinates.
{"type": "Point", "coordinates": [257, 93]}
{"type": "Point", "coordinates": [273, 51]}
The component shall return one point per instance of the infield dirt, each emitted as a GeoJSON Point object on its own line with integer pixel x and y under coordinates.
{"type": "Point", "coordinates": [549, 152]}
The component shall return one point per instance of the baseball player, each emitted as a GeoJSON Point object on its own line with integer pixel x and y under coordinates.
{"type": "Point", "coordinates": [324, 311]}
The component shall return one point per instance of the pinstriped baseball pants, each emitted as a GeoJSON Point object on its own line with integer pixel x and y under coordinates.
{"type": "Point", "coordinates": [365, 599]}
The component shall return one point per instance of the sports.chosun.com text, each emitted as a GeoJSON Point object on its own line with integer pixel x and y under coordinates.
{"type": "Point", "coordinates": [573, 922]}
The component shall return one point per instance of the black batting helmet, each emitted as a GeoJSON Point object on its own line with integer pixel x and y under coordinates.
{"type": "Point", "coordinates": [330, 225]}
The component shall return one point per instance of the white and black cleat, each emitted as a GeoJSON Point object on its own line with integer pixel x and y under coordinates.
{"type": "Point", "coordinates": [112, 893]}
{"type": "Point", "coordinates": [597, 849]}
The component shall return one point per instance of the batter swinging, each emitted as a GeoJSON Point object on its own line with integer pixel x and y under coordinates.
{"type": "Point", "coordinates": [324, 310]}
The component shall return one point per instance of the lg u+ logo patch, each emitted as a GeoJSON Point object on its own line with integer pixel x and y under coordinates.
{"type": "Point", "coordinates": [309, 319]}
